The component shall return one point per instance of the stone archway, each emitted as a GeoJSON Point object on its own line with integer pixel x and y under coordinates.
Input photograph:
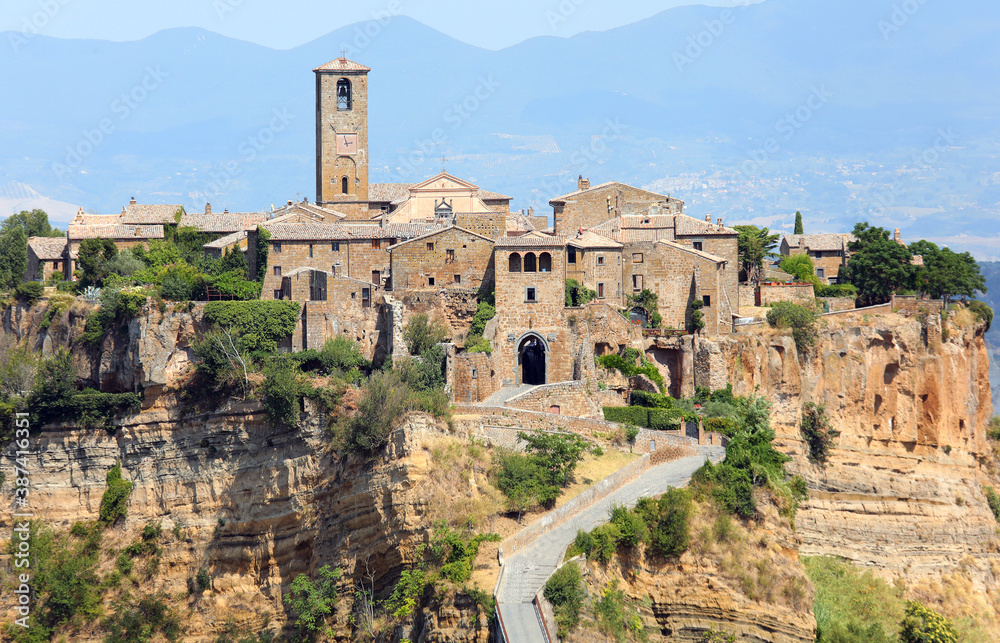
{"type": "Point", "coordinates": [532, 356]}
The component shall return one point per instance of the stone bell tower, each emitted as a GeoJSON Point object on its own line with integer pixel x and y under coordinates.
{"type": "Point", "coordinates": [342, 135]}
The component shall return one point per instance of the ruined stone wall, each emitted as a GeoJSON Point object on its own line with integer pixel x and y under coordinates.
{"type": "Point", "coordinates": [356, 258]}
{"type": "Point", "coordinates": [474, 378]}
{"type": "Point", "coordinates": [587, 209]}
{"type": "Point", "coordinates": [912, 305]}
{"type": "Point", "coordinates": [489, 224]}
{"type": "Point", "coordinates": [449, 259]}
{"type": "Point", "coordinates": [771, 293]}
{"type": "Point", "coordinates": [837, 304]}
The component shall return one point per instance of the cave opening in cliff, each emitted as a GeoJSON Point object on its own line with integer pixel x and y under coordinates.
{"type": "Point", "coordinates": [531, 359]}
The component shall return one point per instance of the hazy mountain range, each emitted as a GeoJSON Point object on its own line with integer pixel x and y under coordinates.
{"type": "Point", "coordinates": [848, 110]}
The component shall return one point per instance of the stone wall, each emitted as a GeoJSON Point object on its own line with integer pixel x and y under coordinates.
{"type": "Point", "coordinates": [451, 258]}
{"type": "Point", "coordinates": [837, 304]}
{"type": "Point", "coordinates": [771, 293]}
{"type": "Point", "coordinates": [489, 224]}
{"type": "Point", "coordinates": [345, 313]}
{"type": "Point", "coordinates": [747, 296]}
{"type": "Point", "coordinates": [587, 209]}
{"type": "Point", "coordinates": [473, 378]}
{"type": "Point", "coordinates": [331, 167]}
{"type": "Point", "coordinates": [910, 304]}
{"type": "Point", "coordinates": [564, 398]}
{"type": "Point", "coordinates": [356, 258]}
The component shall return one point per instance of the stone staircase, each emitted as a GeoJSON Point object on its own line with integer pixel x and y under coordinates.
{"type": "Point", "coordinates": [506, 393]}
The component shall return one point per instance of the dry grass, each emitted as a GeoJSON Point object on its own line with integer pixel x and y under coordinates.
{"type": "Point", "coordinates": [593, 469]}
{"type": "Point", "coordinates": [975, 613]}
{"type": "Point", "coordinates": [962, 317]}
{"type": "Point", "coordinates": [456, 486]}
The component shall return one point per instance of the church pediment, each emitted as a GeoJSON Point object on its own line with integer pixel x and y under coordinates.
{"type": "Point", "coordinates": [444, 182]}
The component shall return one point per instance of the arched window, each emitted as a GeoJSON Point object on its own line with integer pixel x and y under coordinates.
{"type": "Point", "coordinates": [343, 185]}
{"type": "Point", "coordinates": [529, 262]}
{"type": "Point", "coordinates": [343, 94]}
{"type": "Point", "coordinates": [545, 262]}
{"type": "Point", "coordinates": [515, 262]}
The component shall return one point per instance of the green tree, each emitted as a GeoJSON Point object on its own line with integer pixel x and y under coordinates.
{"type": "Point", "coordinates": [878, 265]}
{"type": "Point", "coordinates": [557, 454]}
{"type": "Point", "coordinates": [95, 259]}
{"type": "Point", "coordinates": [799, 266]}
{"type": "Point", "coordinates": [13, 256]}
{"type": "Point", "coordinates": [802, 321]}
{"type": "Point", "coordinates": [312, 602]}
{"type": "Point", "coordinates": [754, 245]}
{"type": "Point", "coordinates": [798, 223]}
{"type": "Point", "coordinates": [421, 334]}
{"type": "Point", "coordinates": [566, 592]}
{"type": "Point", "coordinates": [35, 223]}
{"type": "Point", "coordinates": [945, 274]}
{"type": "Point", "coordinates": [923, 625]}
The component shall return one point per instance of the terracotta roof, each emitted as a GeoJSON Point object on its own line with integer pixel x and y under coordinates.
{"type": "Point", "coordinates": [343, 232]}
{"type": "Point", "coordinates": [439, 231]}
{"type": "Point", "coordinates": [486, 195]}
{"type": "Point", "coordinates": [224, 222]}
{"type": "Point", "coordinates": [531, 240]}
{"type": "Point", "coordinates": [592, 240]}
{"type": "Point", "coordinates": [835, 241]}
{"type": "Point", "coordinates": [700, 253]}
{"type": "Point", "coordinates": [387, 192]}
{"type": "Point", "coordinates": [120, 231]}
{"type": "Point", "coordinates": [97, 219]}
{"type": "Point", "coordinates": [688, 226]}
{"type": "Point", "coordinates": [47, 248]}
{"type": "Point", "coordinates": [226, 241]}
{"type": "Point", "coordinates": [342, 64]}
{"type": "Point", "coordinates": [144, 213]}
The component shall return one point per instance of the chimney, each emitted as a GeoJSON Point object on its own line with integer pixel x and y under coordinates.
{"type": "Point", "coordinates": [208, 208]}
{"type": "Point", "coordinates": [132, 201]}
{"type": "Point", "coordinates": [582, 183]}
{"type": "Point", "coordinates": [138, 231]}
{"type": "Point", "coordinates": [896, 237]}
{"type": "Point", "coordinates": [531, 211]}
{"type": "Point", "coordinates": [708, 218]}
{"type": "Point", "coordinates": [226, 211]}
{"type": "Point", "coordinates": [719, 220]}
{"type": "Point", "coordinates": [123, 210]}
{"type": "Point", "coordinates": [290, 202]}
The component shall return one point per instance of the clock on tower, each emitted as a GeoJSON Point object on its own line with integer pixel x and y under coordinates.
{"type": "Point", "coordinates": [347, 144]}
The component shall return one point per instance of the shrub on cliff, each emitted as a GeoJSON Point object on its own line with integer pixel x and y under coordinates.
{"type": "Point", "coordinates": [852, 605]}
{"type": "Point", "coordinates": [259, 325]}
{"type": "Point", "coordinates": [983, 313]}
{"type": "Point", "coordinates": [312, 602]}
{"type": "Point", "coordinates": [422, 333]}
{"type": "Point", "coordinates": [29, 292]}
{"type": "Point", "coordinates": [114, 502]}
{"type": "Point", "coordinates": [282, 390]}
{"type": "Point", "coordinates": [816, 430]}
{"type": "Point", "coordinates": [802, 321]}
{"type": "Point", "coordinates": [385, 400]}
{"type": "Point", "coordinates": [566, 592]}
{"type": "Point", "coordinates": [923, 625]}
{"type": "Point", "coordinates": [140, 621]}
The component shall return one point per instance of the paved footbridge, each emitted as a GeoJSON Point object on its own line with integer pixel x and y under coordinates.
{"type": "Point", "coordinates": [524, 572]}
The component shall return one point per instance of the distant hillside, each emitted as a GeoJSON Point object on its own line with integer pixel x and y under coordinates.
{"type": "Point", "coordinates": [991, 270]}
{"type": "Point", "coordinates": [786, 106]}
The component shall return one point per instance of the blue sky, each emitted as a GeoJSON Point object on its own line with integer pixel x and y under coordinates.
{"type": "Point", "coordinates": [290, 23]}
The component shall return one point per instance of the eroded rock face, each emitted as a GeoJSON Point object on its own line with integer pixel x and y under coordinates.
{"type": "Point", "coordinates": [902, 488]}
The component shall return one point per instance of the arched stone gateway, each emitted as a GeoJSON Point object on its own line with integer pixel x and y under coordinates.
{"type": "Point", "coordinates": [532, 355]}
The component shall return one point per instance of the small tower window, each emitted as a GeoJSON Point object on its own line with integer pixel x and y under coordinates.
{"type": "Point", "coordinates": [343, 185]}
{"type": "Point", "coordinates": [514, 262]}
{"type": "Point", "coordinates": [343, 94]}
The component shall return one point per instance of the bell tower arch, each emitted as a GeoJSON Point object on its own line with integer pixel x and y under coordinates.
{"type": "Point", "coordinates": [342, 133]}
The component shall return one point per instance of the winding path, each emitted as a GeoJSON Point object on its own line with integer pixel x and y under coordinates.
{"type": "Point", "coordinates": [526, 571]}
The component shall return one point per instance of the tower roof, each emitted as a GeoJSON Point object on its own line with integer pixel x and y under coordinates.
{"type": "Point", "coordinates": [342, 64]}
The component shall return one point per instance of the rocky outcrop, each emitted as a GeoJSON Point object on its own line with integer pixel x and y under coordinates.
{"type": "Point", "coordinates": [902, 489]}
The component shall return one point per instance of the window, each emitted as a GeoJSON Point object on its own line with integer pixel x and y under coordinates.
{"type": "Point", "coordinates": [376, 277]}
{"type": "Point", "coordinates": [707, 300]}
{"type": "Point", "coordinates": [310, 250]}
{"type": "Point", "coordinates": [277, 271]}
{"type": "Point", "coordinates": [343, 185]}
{"type": "Point", "coordinates": [430, 246]}
{"type": "Point", "coordinates": [475, 373]}
{"type": "Point", "coordinates": [514, 262]}
{"type": "Point", "coordinates": [818, 254]}
{"type": "Point", "coordinates": [458, 279]}
{"type": "Point", "coordinates": [376, 244]}
{"type": "Point", "coordinates": [636, 257]}
{"type": "Point", "coordinates": [343, 94]}
{"type": "Point", "coordinates": [277, 294]}
{"type": "Point", "coordinates": [366, 297]}
{"type": "Point", "coordinates": [449, 256]}
{"type": "Point", "coordinates": [821, 273]}
{"type": "Point", "coordinates": [698, 245]}
{"type": "Point", "coordinates": [636, 282]}
{"type": "Point", "coordinates": [335, 246]}
{"type": "Point", "coordinates": [430, 281]}
{"type": "Point", "coordinates": [333, 270]}
{"type": "Point", "coordinates": [530, 294]}
{"type": "Point", "coordinates": [600, 260]}
{"type": "Point", "coordinates": [571, 255]}
{"type": "Point", "coordinates": [276, 246]}
{"type": "Point", "coordinates": [600, 290]}
{"type": "Point", "coordinates": [545, 262]}
{"type": "Point", "coordinates": [529, 263]}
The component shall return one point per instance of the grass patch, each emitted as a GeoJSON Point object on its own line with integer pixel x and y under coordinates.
{"type": "Point", "coordinates": [852, 605]}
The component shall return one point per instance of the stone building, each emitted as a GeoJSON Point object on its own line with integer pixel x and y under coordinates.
{"type": "Point", "coordinates": [588, 206]}
{"type": "Point", "coordinates": [46, 256]}
{"type": "Point", "coordinates": [596, 262]}
{"type": "Point", "coordinates": [451, 257]}
{"type": "Point", "coordinates": [533, 343]}
{"type": "Point", "coordinates": [356, 250]}
{"type": "Point", "coordinates": [829, 252]}
{"type": "Point", "coordinates": [342, 136]}
{"type": "Point", "coordinates": [124, 236]}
